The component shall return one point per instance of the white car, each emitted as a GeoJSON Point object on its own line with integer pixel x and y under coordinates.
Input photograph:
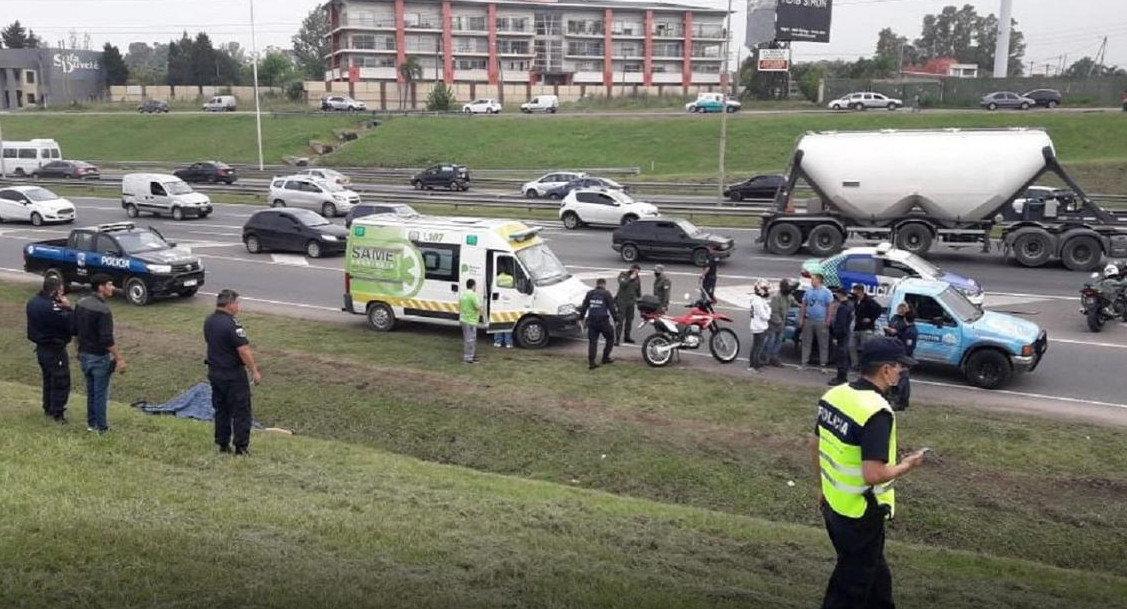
{"type": "Point", "coordinates": [328, 175]}
{"type": "Point", "coordinates": [308, 192]}
{"type": "Point", "coordinates": [482, 106]}
{"type": "Point", "coordinates": [539, 188]}
{"type": "Point", "coordinates": [599, 206]}
{"type": "Point", "coordinates": [864, 101]}
{"type": "Point", "coordinates": [34, 204]}
{"type": "Point", "coordinates": [879, 268]}
{"type": "Point", "coordinates": [342, 103]}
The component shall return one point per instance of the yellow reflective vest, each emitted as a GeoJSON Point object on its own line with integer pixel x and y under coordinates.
{"type": "Point", "coordinates": [842, 413]}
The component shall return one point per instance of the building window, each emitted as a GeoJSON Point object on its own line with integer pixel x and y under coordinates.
{"type": "Point", "coordinates": [627, 28]}
{"type": "Point", "coordinates": [466, 23]}
{"type": "Point", "coordinates": [668, 49]}
{"type": "Point", "coordinates": [589, 66]}
{"type": "Point", "coordinates": [627, 49]}
{"type": "Point", "coordinates": [421, 44]}
{"type": "Point", "coordinates": [31, 78]}
{"type": "Point", "coordinates": [475, 63]}
{"type": "Point", "coordinates": [31, 97]}
{"type": "Point", "coordinates": [585, 48]}
{"type": "Point", "coordinates": [713, 68]}
{"type": "Point", "coordinates": [707, 50]}
{"type": "Point", "coordinates": [363, 41]}
{"type": "Point", "coordinates": [368, 61]}
{"type": "Point", "coordinates": [632, 66]}
{"type": "Point", "coordinates": [589, 27]}
{"type": "Point", "coordinates": [426, 21]}
{"type": "Point", "coordinates": [668, 29]}
{"type": "Point", "coordinates": [512, 24]}
{"type": "Point", "coordinates": [708, 31]}
{"type": "Point", "coordinates": [515, 65]}
{"type": "Point", "coordinates": [471, 45]}
{"type": "Point", "coordinates": [518, 47]}
{"type": "Point", "coordinates": [548, 24]}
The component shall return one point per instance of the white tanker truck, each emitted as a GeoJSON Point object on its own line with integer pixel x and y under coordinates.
{"type": "Point", "coordinates": [914, 188]}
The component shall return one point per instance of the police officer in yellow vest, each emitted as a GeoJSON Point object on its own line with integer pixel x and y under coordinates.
{"type": "Point", "coordinates": [854, 453]}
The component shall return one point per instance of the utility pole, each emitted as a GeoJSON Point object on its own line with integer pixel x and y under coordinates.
{"type": "Point", "coordinates": [1002, 49]}
{"type": "Point", "coordinates": [724, 101]}
{"type": "Point", "coordinates": [257, 106]}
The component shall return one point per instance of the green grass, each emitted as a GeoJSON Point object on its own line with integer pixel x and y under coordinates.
{"type": "Point", "coordinates": [680, 146]}
{"type": "Point", "coordinates": [151, 516]}
{"type": "Point", "coordinates": [1003, 486]}
{"type": "Point", "coordinates": [175, 138]}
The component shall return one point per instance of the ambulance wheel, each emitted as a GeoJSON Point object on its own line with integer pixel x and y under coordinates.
{"type": "Point", "coordinates": [137, 292]}
{"type": "Point", "coordinates": [380, 317]}
{"type": "Point", "coordinates": [532, 333]}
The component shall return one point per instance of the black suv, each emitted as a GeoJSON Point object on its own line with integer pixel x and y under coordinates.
{"type": "Point", "coordinates": [208, 171]}
{"type": "Point", "coordinates": [756, 187]}
{"type": "Point", "coordinates": [1049, 98]}
{"type": "Point", "coordinates": [293, 230]}
{"type": "Point", "coordinates": [153, 105]}
{"type": "Point", "coordinates": [453, 177]}
{"type": "Point", "coordinates": [668, 238]}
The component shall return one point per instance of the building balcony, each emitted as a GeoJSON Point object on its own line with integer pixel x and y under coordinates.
{"type": "Point", "coordinates": [709, 33]}
{"type": "Point", "coordinates": [668, 57]}
{"type": "Point", "coordinates": [704, 58]}
{"type": "Point", "coordinates": [676, 34]}
{"type": "Point", "coordinates": [371, 24]}
{"type": "Point", "coordinates": [631, 33]}
{"type": "Point", "coordinates": [373, 50]}
{"type": "Point", "coordinates": [469, 32]}
{"type": "Point", "coordinates": [423, 26]}
{"type": "Point", "coordinates": [470, 52]}
{"type": "Point", "coordinates": [512, 32]}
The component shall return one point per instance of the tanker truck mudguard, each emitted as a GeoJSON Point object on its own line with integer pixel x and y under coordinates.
{"type": "Point", "coordinates": [914, 188]}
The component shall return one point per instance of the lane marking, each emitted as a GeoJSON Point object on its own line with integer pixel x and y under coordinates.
{"type": "Point", "coordinates": [268, 262]}
{"type": "Point", "coordinates": [290, 259]}
{"type": "Point", "coordinates": [279, 302]}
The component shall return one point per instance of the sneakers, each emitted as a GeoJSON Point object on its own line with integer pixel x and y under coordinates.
{"type": "Point", "coordinates": [497, 345]}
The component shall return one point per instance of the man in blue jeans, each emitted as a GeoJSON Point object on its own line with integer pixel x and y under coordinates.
{"type": "Point", "coordinates": [97, 352]}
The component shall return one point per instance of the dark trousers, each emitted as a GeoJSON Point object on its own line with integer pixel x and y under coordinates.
{"type": "Point", "coordinates": [841, 356]}
{"type": "Point", "coordinates": [625, 320]}
{"type": "Point", "coordinates": [54, 365]}
{"type": "Point", "coordinates": [861, 578]}
{"type": "Point", "coordinates": [230, 396]}
{"type": "Point", "coordinates": [595, 329]}
{"type": "Point", "coordinates": [709, 286]}
{"type": "Point", "coordinates": [902, 392]}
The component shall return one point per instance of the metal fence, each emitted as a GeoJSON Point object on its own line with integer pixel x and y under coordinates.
{"type": "Point", "coordinates": [1103, 91]}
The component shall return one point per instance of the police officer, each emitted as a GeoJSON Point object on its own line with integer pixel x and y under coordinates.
{"type": "Point", "coordinates": [228, 358]}
{"type": "Point", "coordinates": [662, 286]}
{"type": "Point", "coordinates": [598, 308]}
{"type": "Point", "coordinates": [629, 291]}
{"type": "Point", "coordinates": [854, 454]}
{"type": "Point", "coordinates": [49, 327]}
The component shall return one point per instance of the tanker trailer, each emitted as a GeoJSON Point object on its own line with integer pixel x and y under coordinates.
{"type": "Point", "coordinates": [954, 186]}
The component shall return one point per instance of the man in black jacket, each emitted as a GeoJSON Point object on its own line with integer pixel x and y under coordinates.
{"type": "Point", "coordinates": [49, 327]}
{"type": "Point", "coordinates": [598, 308]}
{"type": "Point", "coordinates": [97, 351]}
{"type": "Point", "coordinates": [843, 314]}
{"type": "Point", "coordinates": [866, 311]}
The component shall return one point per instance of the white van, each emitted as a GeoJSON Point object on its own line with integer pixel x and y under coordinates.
{"type": "Point", "coordinates": [162, 195]}
{"type": "Point", "coordinates": [221, 103]}
{"type": "Point", "coordinates": [414, 268]}
{"type": "Point", "coordinates": [541, 103]}
{"type": "Point", "coordinates": [22, 158]}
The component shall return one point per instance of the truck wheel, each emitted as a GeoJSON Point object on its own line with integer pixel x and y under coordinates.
{"type": "Point", "coordinates": [131, 211]}
{"type": "Point", "coordinates": [825, 240]}
{"type": "Point", "coordinates": [1081, 253]}
{"type": "Point", "coordinates": [137, 292]}
{"type": "Point", "coordinates": [380, 317]}
{"type": "Point", "coordinates": [532, 333]}
{"type": "Point", "coordinates": [177, 213]}
{"type": "Point", "coordinates": [1033, 248]}
{"type": "Point", "coordinates": [988, 369]}
{"type": "Point", "coordinates": [915, 238]}
{"type": "Point", "coordinates": [700, 257]}
{"type": "Point", "coordinates": [784, 239]}
{"type": "Point", "coordinates": [630, 253]}
{"type": "Point", "coordinates": [571, 221]}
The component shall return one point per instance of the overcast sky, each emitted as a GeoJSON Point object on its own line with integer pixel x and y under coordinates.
{"type": "Point", "coordinates": [1053, 29]}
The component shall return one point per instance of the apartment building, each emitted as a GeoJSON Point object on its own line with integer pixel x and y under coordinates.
{"type": "Point", "coordinates": [608, 43]}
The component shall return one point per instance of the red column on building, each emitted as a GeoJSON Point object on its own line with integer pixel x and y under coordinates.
{"type": "Point", "coordinates": [400, 40]}
{"type": "Point", "coordinates": [648, 50]}
{"type": "Point", "coordinates": [608, 48]}
{"type": "Point", "coordinates": [491, 19]}
{"type": "Point", "coordinates": [334, 46]}
{"type": "Point", "coordinates": [447, 44]}
{"type": "Point", "coordinates": [687, 66]}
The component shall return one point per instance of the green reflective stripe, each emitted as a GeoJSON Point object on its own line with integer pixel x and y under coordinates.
{"type": "Point", "coordinates": [845, 469]}
{"type": "Point", "coordinates": [843, 487]}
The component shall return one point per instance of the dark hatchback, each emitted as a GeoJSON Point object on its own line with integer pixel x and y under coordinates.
{"type": "Point", "coordinates": [560, 192]}
{"type": "Point", "coordinates": [668, 238]}
{"type": "Point", "coordinates": [370, 209]}
{"type": "Point", "coordinates": [453, 177]}
{"type": "Point", "coordinates": [71, 170]}
{"type": "Point", "coordinates": [293, 230]}
{"type": "Point", "coordinates": [1047, 98]}
{"type": "Point", "coordinates": [756, 187]}
{"type": "Point", "coordinates": [208, 171]}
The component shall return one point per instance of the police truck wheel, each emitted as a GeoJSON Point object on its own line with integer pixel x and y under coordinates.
{"type": "Point", "coordinates": [630, 253]}
{"type": "Point", "coordinates": [136, 292]}
{"type": "Point", "coordinates": [329, 210]}
{"type": "Point", "coordinates": [177, 213]}
{"type": "Point", "coordinates": [313, 249]}
{"type": "Point", "coordinates": [784, 239]}
{"type": "Point", "coordinates": [1081, 253]}
{"type": "Point", "coordinates": [531, 333]}
{"type": "Point", "coordinates": [915, 238]}
{"type": "Point", "coordinates": [824, 240]}
{"type": "Point", "coordinates": [725, 345]}
{"type": "Point", "coordinates": [254, 246]}
{"type": "Point", "coordinates": [36, 219]}
{"type": "Point", "coordinates": [700, 256]}
{"type": "Point", "coordinates": [988, 369]}
{"type": "Point", "coordinates": [657, 350]}
{"type": "Point", "coordinates": [131, 211]}
{"type": "Point", "coordinates": [380, 317]}
{"type": "Point", "coordinates": [571, 221]}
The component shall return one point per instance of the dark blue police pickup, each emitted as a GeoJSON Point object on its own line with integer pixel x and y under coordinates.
{"type": "Point", "coordinates": [139, 260]}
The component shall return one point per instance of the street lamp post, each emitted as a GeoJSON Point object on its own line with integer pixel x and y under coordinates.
{"type": "Point", "coordinates": [257, 106]}
{"type": "Point", "coordinates": [724, 102]}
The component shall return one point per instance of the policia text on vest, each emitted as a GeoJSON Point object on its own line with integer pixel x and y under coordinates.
{"type": "Point", "coordinates": [854, 456]}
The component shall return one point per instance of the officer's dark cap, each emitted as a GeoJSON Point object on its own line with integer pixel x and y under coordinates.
{"type": "Point", "coordinates": [884, 350]}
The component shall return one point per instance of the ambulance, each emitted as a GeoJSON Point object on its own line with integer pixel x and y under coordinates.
{"type": "Point", "coordinates": [415, 268]}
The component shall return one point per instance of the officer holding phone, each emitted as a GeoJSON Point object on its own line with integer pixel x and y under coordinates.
{"type": "Point", "coordinates": [49, 327]}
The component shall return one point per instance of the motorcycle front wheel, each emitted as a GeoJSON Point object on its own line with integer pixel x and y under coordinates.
{"type": "Point", "coordinates": [657, 350]}
{"type": "Point", "coordinates": [1095, 319]}
{"type": "Point", "coordinates": [725, 345]}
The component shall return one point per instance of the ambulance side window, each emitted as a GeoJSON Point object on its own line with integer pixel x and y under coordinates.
{"type": "Point", "coordinates": [440, 261]}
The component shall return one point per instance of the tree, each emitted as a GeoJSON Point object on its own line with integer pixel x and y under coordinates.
{"type": "Point", "coordinates": [894, 49]}
{"type": "Point", "coordinates": [274, 69]}
{"type": "Point", "coordinates": [410, 71]}
{"type": "Point", "coordinates": [441, 98]}
{"type": "Point", "coordinates": [117, 73]}
{"type": "Point", "coordinates": [148, 65]}
{"type": "Point", "coordinates": [16, 37]}
{"type": "Point", "coordinates": [964, 35]}
{"type": "Point", "coordinates": [311, 44]}
{"type": "Point", "coordinates": [1086, 67]}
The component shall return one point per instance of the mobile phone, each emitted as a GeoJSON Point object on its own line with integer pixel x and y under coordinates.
{"type": "Point", "coordinates": [925, 451]}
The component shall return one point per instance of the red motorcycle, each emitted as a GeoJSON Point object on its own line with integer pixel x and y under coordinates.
{"type": "Point", "coordinates": [686, 332]}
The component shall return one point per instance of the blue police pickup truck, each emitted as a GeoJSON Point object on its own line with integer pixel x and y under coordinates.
{"type": "Point", "coordinates": [140, 261]}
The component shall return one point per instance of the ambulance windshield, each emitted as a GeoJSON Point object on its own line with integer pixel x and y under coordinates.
{"type": "Point", "coordinates": [542, 264]}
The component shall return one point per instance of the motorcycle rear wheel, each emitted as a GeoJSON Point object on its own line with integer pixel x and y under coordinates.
{"type": "Point", "coordinates": [657, 350]}
{"type": "Point", "coordinates": [1095, 319]}
{"type": "Point", "coordinates": [725, 345]}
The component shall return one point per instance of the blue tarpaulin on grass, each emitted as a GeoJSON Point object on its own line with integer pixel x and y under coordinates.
{"type": "Point", "coordinates": [194, 403]}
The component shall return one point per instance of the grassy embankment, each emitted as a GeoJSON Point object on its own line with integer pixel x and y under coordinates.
{"type": "Point", "coordinates": [701, 464]}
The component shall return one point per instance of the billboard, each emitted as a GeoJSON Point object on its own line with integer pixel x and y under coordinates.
{"type": "Point", "coordinates": [803, 20]}
{"type": "Point", "coordinates": [773, 60]}
{"type": "Point", "coordinates": [760, 22]}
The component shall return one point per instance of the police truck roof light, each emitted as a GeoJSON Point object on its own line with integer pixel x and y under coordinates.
{"type": "Point", "coordinates": [116, 226]}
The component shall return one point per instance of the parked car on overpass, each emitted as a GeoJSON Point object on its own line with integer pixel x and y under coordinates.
{"type": "Point", "coordinates": [71, 170]}
{"type": "Point", "coordinates": [864, 101]}
{"type": "Point", "coordinates": [1006, 99]}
